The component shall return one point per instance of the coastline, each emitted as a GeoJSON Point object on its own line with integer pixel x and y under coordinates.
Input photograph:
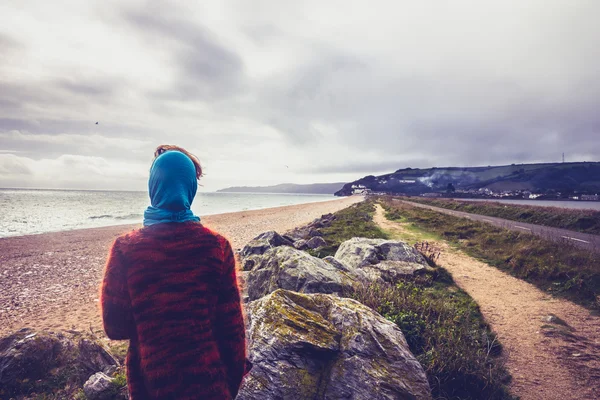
{"type": "Point", "coordinates": [51, 280]}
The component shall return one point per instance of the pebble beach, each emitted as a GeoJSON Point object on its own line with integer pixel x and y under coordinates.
{"type": "Point", "coordinates": [51, 281]}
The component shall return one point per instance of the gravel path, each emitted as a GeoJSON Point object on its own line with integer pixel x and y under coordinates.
{"type": "Point", "coordinates": [547, 360]}
{"type": "Point", "coordinates": [51, 280]}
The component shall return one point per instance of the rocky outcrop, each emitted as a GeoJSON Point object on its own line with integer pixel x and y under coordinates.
{"type": "Point", "coordinates": [29, 358]}
{"type": "Point", "coordinates": [313, 229]}
{"type": "Point", "coordinates": [357, 260]}
{"type": "Point", "coordinates": [380, 259]}
{"type": "Point", "coordinates": [316, 242]}
{"type": "Point", "coordinates": [259, 245]}
{"type": "Point", "coordinates": [263, 242]}
{"type": "Point", "coordinates": [361, 252]}
{"type": "Point", "coordinates": [313, 243]}
{"type": "Point", "coordinates": [288, 268]}
{"type": "Point", "coordinates": [321, 346]}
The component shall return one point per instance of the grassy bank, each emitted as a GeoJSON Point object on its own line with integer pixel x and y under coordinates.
{"type": "Point", "coordinates": [442, 324]}
{"type": "Point", "coordinates": [356, 220]}
{"type": "Point", "coordinates": [586, 221]}
{"type": "Point", "coordinates": [556, 267]}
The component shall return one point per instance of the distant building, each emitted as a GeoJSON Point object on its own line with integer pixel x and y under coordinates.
{"type": "Point", "coordinates": [360, 189]}
{"type": "Point", "coordinates": [590, 197]}
{"type": "Point", "coordinates": [431, 195]}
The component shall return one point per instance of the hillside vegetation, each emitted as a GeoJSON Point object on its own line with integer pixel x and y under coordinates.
{"type": "Point", "coordinates": [551, 179]}
{"type": "Point", "coordinates": [559, 268]}
{"type": "Point", "coordinates": [586, 221]}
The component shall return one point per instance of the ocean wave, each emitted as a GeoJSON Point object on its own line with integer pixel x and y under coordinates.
{"type": "Point", "coordinates": [119, 217]}
{"type": "Point", "coordinates": [101, 216]}
{"type": "Point", "coordinates": [130, 216]}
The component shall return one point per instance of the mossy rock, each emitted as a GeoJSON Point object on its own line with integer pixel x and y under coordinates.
{"type": "Point", "coordinates": [43, 362]}
{"type": "Point", "coordinates": [321, 346]}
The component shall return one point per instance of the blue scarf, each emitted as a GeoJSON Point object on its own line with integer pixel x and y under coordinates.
{"type": "Point", "coordinates": [172, 187]}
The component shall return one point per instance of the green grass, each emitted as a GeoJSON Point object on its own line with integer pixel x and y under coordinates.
{"type": "Point", "coordinates": [585, 221]}
{"type": "Point", "coordinates": [559, 268]}
{"type": "Point", "coordinates": [354, 221]}
{"type": "Point", "coordinates": [446, 332]}
{"type": "Point", "coordinates": [442, 324]}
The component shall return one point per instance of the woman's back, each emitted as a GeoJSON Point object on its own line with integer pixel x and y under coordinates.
{"type": "Point", "coordinates": [180, 307]}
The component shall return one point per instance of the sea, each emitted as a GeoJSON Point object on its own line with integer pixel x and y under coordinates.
{"type": "Point", "coordinates": [32, 211]}
{"type": "Point", "coordinates": [576, 204]}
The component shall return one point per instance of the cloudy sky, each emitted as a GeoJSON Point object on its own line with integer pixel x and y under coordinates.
{"type": "Point", "coordinates": [266, 92]}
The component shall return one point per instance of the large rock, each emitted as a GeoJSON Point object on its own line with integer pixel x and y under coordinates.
{"type": "Point", "coordinates": [316, 242]}
{"type": "Point", "coordinates": [99, 387]}
{"type": "Point", "coordinates": [312, 243]}
{"type": "Point", "coordinates": [102, 387]}
{"type": "Point", "coordinates": [263, 242]}
{"type": "Point", "coordinates": [324, 347]}
{"type": "Point", "coordinates": [288, 268]}
{"type": "Point", "coordinates": [28, 359]}
{"type": "Point", "coordinates": [380, 259]}
{"type": "Point", "coordinates": [252, 252]}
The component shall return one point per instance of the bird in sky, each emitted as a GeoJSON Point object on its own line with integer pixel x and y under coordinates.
{"type": "Point", "coordinates": [96, 122]}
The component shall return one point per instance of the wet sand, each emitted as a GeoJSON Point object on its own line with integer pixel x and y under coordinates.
{"type": "Point", "coordinates": [51, 280]}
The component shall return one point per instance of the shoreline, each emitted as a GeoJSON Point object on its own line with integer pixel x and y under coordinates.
{"type": "Point", "coordinates": [131, 222]}
{"type": "Point", "coordinates": [51, 280]}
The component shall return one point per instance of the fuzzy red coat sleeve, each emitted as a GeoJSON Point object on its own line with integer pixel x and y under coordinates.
{"type": "Point", "coordinates": [114, 298]}
{"type": "Point", "coordinates": [229, 329]}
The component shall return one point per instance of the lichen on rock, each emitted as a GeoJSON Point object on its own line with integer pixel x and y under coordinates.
{"type": "Point", "coordinates": [320, 346]}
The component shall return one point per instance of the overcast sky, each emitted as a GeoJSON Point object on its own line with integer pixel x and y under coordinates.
{"type": "Point", "coordinates": [266, 92]}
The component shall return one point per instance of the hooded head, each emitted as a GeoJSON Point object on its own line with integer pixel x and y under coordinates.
{"type": "Point", "coordinates": [172, 186]}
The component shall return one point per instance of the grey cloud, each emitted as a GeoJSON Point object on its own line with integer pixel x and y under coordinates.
{"type": "Point", "coordinates": [364, 168]}
{"type": "Point", "coordinates": [317, 89]}
{"type": "Point", "coordinates": [455, 120]}
{"type": "Point", "coordinates": [206, 69]}
{"type": "Point", "coordinates": [63, 92]}
{"type": "Point", "coordinates": [403, 93]}
{"type": "Point", "coordinates": [11, 165]}
{"type": "Point", "coordinates": [107, 88]}
{"type": "Point", "coordinates": [8, 43]}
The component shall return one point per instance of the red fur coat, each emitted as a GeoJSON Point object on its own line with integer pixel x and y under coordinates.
{"type": "Point", "coordinates": [171, 289]}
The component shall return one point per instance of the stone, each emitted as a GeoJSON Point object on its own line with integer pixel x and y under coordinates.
{"type": "Point", "coordinates": [316, 242]}
{"type": "Point", "coordinates": [380, 259]}
{"type": "Point", "coordinates": [338, 265]}
{"type": "Point", "coordinates": [99, 387]}
{"type": "Point", "coordinates": [288, 268]}
{"type": "Point", "coordinates": [94, 357]}
{"type": "Point", "coordinates": [301, 244]}
{"type": "Point", "coordinates": [360, 252]}
{"type": "Point", "coordinates": [28, 359]}
{"type": "Point", "coordinates": [263, 242]}
{"type": "Point", "coordinates": [314, 233]}
{"type": "Point", "coordinates": [320, 346]}
{"type": "Point", "coordinates": [311, 229]}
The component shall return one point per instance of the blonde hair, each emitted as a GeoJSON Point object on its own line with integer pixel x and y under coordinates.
{"type": "Point", "coordinates": [168, 147]}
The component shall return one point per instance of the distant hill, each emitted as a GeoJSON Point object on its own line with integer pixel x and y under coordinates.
{"type": "Point", "coordinates": [550, 178]}
{"type": "Point", "coordinates": [314, 188]}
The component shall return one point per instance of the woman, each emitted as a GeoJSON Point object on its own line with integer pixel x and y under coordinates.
{"type": "Point", "coordinates": [171, 289]}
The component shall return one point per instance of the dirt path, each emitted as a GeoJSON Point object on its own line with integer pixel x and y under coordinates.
{"type": "Point", "coordinates": [547, 359]}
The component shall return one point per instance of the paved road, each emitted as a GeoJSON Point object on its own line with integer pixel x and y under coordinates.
{"type": "Point", "coordinates": [584, 240]}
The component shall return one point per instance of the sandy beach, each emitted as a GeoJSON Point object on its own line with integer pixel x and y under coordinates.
{"type": "Point", "coordinates": [51, 280]}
